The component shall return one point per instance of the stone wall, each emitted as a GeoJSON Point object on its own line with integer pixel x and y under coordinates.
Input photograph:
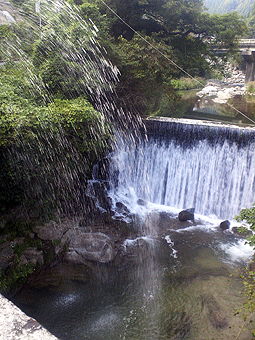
{"type": "Point", "coordinates": [15, 325]}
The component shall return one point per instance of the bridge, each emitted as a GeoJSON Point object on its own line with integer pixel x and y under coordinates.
{"type": "Point", "coordinates": [247, 48]}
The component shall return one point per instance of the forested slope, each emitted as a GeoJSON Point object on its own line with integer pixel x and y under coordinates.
{"type": "Point", "coordinates": [243, 7]}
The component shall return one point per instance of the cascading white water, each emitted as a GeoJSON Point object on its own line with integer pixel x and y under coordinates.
{"type": "Point", "coordinates": [215, 177]}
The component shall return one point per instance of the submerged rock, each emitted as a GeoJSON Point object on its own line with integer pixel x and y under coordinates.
{"type": "Point", "coordinates": [224, 225]}
{"type": "Point", "coordinates": [216, 315]}
{"type": "Point", "coordinates": [187, 214]}
{"type": "Point", "coordinates": [178, 326]}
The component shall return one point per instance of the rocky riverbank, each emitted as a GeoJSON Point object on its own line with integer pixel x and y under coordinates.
{"type": "Point", "coordinates": [224, 89]}
{"type": "Point", "coordinates": [69, 248]}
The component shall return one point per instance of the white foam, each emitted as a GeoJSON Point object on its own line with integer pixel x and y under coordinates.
{"type": "Point", "coordinates": [239, 251]}
{"type": "Point", "coordinates": [171, 245]}
{"type": "Point", "coordinates": [133, 242]}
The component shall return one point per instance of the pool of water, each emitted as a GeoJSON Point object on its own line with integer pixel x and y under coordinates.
{"type": "Point", "coordinates": [175, 284]}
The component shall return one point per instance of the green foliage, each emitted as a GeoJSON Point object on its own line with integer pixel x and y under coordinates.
{"type": "Point", "coordinates": [251, 87]}
{"type": "Point", "coordinates": [248, 216]}
{"type": "Point", "coordinates": [242, 7]}
{"type": "Point", "coordinates": [185, 83]}
{"type": "Point", "coordinates": [15, 276]}
{"type": "Point", "coordinates": [89, 10]}
{"type": "Point", "coordinates": [28, 127]}
{"type": "Point", "coordinates": [44, 109]}
{"type": "Point", "coordinates": [65, 59]}
{"type": "Point", "coordinates": [251, 24]}
{"type": "Point", "coordinates": [83, 125]}
{"type": "Point", "coordinates": [179, 29]}
{"type": "Point", "coordinates": [228, 29]}
{"type": "Point", "coordinates": [16, 37]}
{"type": "Point", "coordinates": [248, 307]}
{"type": "Point", "coordinates": [146, 74]}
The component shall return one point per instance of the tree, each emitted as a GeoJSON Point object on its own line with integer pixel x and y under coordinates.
{"type": "Point", "coordinates": [146, 75]}
{"type": "Point", "coordinates": [251, 24]}
{"type": "Point", "coordinates": [63, 58]}
{"type": "Point", "coordinates": [41, 145]}
{"type": "Point", "coordinates": [186, 34]}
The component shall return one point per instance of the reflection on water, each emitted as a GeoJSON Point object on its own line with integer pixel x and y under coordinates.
{"type": "Point", "coordinates": [148, 293]}
{"type": "Point", "coordinates": [205, 108]}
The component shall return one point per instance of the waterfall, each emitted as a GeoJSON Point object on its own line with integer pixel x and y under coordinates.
{"type": "Point", "coordinates": [210, 168]}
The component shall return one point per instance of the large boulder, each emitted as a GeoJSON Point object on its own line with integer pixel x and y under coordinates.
{"type": "Point", "coordinates": [88, 246]}
{"type": "Point", "coordinates": [224, 225]}
{"type": "Point", "coordinates": [31, 256]}
{"type": "Point", "coordinates": [187, 214]}
{"type": "Point", "coordinates": [52, 230]}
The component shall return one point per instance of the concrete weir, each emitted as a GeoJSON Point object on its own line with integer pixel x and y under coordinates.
{"type": "Point", "coordinates": [16, 325]}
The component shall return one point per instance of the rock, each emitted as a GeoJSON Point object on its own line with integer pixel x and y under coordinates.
{"type": "Point", "coordinates": [50, 231]}
{"type": "Point", "coordinates": [122, 209]}
{"type": "Point", "coordinates": [186, 215]}
{"type": "Point", "coordinates": [6, 255]}
{"type": "Point", "coordinates": [178, 325]}
{"type": "Point", "coordinates": [58, 275]}
{"type": "Point", "coordinates": [88, 246]}
{"type": "Point", "coordinates": [98, 190]}
{"type": "Point", "coordinates": [224, 225]}
{"type": "Point", "coordinates": [101, 170]}
{"type": "Point", "coordinates": [237, 233]}
{"type": "Point", "coordinates": [33, 256]}
{"type": "Point", "coordinates": [141, 202]}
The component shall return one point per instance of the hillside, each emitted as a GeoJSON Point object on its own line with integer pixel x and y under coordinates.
{"type": "Point", "coordinates": [243, 7]}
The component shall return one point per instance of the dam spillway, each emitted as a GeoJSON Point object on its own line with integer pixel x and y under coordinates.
{"type": "Point", "coordinates": [182, 164]}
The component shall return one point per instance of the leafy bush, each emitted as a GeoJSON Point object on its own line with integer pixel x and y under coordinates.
{"type": "Point", "coordinates": [248, 308]}
{"type": "Point", "coordinates": [248, 216]}
{"type": "Point", "coordinates": [251, 87]}
{"type": "Point", "coordinates": [51, 146]}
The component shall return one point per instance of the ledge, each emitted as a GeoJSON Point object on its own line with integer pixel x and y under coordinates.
{"type": "Point", "coordinates": [16, 325]}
